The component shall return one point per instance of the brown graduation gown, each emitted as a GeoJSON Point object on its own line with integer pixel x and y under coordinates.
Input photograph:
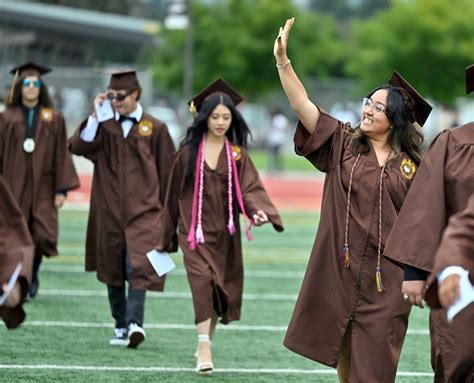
{"type": "Point", "coordinates": [457, 249]}
{"type": "Point", "coordinates": [16, 246]}
{"type": "Point", "coordinates": [128, 190]}
{"type": "Point", "coordinates": [331, 296]}
{"type": "Point", "coordinates": [442, 187]}
{"type": "Point", "coordinates": [215, 268]}
{"type": "Point", "coordinates": [35, 178]}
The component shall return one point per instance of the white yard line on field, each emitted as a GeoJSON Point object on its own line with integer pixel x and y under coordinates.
{"type": "Point", "coordinates": [166, 294]}
{"type": "Point", "coordinates": [175, 326]}
{"type": "Point", "coordinates": [277, 371]}
{"type": "Point", "coordinates": [182, 272]}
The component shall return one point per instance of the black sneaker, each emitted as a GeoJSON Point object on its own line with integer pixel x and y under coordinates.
{"type": "Point", "coordinates": [34, 286]}
{"type": "Point", "coordinates": [136, 335]}
{"type": "Point", "coordinates": [120, 337]}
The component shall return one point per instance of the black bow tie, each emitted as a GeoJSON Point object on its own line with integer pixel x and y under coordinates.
{"type": "Point", "coordinates": [125, 118]}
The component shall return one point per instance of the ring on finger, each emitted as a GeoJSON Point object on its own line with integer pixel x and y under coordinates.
{"type": "Point", "coordinates": [406, 297]}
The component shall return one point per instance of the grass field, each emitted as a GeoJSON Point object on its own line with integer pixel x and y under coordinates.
{"type": "Point", "coordinates": [65, 337]}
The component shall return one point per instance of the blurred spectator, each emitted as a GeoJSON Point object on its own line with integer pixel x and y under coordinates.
{"type": "Point", "coordinates": [345, 113]}
{"type": "Point", "coordinates": [276, 139]}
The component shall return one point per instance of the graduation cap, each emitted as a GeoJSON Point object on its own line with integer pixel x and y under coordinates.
{"type": "Point", "coordinates": [218, 86]}
{"type": "Point", "coordinates": [419, 107]}
{"type": "Point", "coordinates": [30, 68]}
{"type": "Point", "coordinates": [470, 79]}
{"type": "Point", "coordinates": [122, 79]}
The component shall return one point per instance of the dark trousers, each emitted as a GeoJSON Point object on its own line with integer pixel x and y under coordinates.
{"type": "Point", "coordinates": [126, 309]}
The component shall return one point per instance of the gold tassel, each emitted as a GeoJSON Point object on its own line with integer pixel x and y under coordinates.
{"type": "Point", "coordinates": [192, 109]}
{"type": "Point", "coordinates": [378, 279]}
{"type": "Point", "coordinates": [345, 257]}
{"type": "Point", "coordinates": [12, 89]}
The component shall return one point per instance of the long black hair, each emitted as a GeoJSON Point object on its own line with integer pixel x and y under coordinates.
{"type": "Point", "coordinates": [403, 135]}
{"type": "Point", "coordinates": [238, 132]}
{"type": "Point", "coordinates": [43, 100]}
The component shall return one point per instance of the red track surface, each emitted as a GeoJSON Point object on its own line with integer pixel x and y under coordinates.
{"type": "Point", "coordinates": [287, 193]}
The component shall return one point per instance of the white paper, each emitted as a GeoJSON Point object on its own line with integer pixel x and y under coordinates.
{"type": "Point", "coordinates": [104, 112]}
{"type": "Point", "coordinates": [11, 283]}
{"type": "Point", "coordinates": [466, 295]}
{"type": "Point", "coordinates": [161, 262]}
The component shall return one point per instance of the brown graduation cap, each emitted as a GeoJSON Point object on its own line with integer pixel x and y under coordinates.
{"type": "Point", "coordinates": [30, 68]}
{"type": "Point", "coordinates": [470, 79]}
{"type": "Point", "coordinates": [419, 107]}
{"type": "Point", "coordinates": [123, 79]}
{"type": "Point", "coordinates": [218, 86]}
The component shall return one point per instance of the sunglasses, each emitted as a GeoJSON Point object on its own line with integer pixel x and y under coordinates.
{"type": "Point", "coordinates": [27, 82]}
{"type": "Point", "coordinates": [118, 96]}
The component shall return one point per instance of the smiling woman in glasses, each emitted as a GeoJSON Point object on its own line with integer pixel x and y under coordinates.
{"type": "Point", "coordinates": [34, 159]}
{"type": "Point", "coordinates": [350, 313]}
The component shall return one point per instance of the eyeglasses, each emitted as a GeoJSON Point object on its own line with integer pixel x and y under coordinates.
{"type": "Point", "coordinates": [118, 96]}
{"type": "Point", "coordinates": [378, 106]}
{"type": "Point", "coordinates": [27, 82]}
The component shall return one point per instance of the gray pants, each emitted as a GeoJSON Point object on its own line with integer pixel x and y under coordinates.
{"type": "Point", "coordinates": [126, 309]}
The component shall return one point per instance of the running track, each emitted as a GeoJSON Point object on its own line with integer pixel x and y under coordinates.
{"type": "Point", "coordinates": [290, 193]}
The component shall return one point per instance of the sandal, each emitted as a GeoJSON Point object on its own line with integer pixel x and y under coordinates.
{"type": "Point", "coordinates": [204, 365]}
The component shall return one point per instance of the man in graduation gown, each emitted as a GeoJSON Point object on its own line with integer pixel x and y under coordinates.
{"type": "Point", "coordinates": [132, 154]}
{"type": "Point", "coordinates": [16, 251]}
{"type": "Point", "coordinates": [454, 264]}
{"type": "Point", "coordinates": [34, 159]}
{"type": "Point", "coordinates": [441, 188]}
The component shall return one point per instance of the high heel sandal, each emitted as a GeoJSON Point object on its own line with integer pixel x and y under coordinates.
{"type": "Point", "coordinates": [204, 365]}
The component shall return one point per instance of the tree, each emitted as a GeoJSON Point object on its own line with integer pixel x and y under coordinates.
{"type": "Point", "coordinates": [234, 39]}
{"type": "Point", "coordinates": [428, 41]}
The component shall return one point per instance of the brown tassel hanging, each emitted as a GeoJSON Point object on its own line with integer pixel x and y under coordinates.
{"type": "Point", "coordinates": [345, 257]}
{"type": "Point", "coordinates": [378, 279]}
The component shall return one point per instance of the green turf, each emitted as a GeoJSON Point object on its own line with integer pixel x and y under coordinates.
{"type": "Point", "coordinates": [52, 347]}
{"type": "Point", "coordinates": [290, 161]}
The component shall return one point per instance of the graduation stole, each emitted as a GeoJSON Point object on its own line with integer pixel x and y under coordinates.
{"type": "Point", "coordinates": [196, 233]}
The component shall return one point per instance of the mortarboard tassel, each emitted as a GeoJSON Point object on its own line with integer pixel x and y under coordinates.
{"type": "Point", "coordinates": [12, 89]}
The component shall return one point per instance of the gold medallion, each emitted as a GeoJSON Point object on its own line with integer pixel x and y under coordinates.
{"type": "Point", "coordinates": [46, 114]}
{"type": "Point", "coordinates": [145, 128]}
{"type": "Point", "coordinates": [236, 153]}
{"type": "Point", "coordinates": [29, 145]}
{"type": "Point", "coordinates": [407, 168]}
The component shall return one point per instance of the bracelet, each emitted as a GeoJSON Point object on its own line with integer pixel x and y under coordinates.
{"type": "Point", "coordinates": [279, 66]}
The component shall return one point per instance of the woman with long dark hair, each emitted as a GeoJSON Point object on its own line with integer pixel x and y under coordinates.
{"type": "Point", "coordinates": [350, 314]}
{"type": "Point", "coordinates": [212, 181]}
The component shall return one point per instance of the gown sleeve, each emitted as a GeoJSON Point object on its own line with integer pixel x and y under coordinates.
{"type": "Point", "coordinates": [322, 147]}
{"type": "Point", "coordinates": [254, 194]}
{"type": "Point", "coordinates": [417, 231]}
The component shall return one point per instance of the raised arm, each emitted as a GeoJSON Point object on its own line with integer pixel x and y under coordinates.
{"type": "Point", "coordinates": [306, 111]}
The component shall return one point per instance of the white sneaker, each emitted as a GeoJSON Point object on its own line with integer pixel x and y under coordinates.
{"type": "Point", "coordinates": [136, 335]}
{"type": "Point", "coordinates": [120, 337]}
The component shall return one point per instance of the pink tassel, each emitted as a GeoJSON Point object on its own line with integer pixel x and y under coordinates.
{"type": "Point", "coordinates": [191, 240]}
{"type": "Point", "coordinates": [248, 235]}
{"type": "Point", "coordinates": [231, 227]}
{"type": "Point", "coordinates": [199, 234]}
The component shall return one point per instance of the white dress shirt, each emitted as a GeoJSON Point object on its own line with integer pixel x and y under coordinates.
{"type": "Point", "coordinates": [89, 132]}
